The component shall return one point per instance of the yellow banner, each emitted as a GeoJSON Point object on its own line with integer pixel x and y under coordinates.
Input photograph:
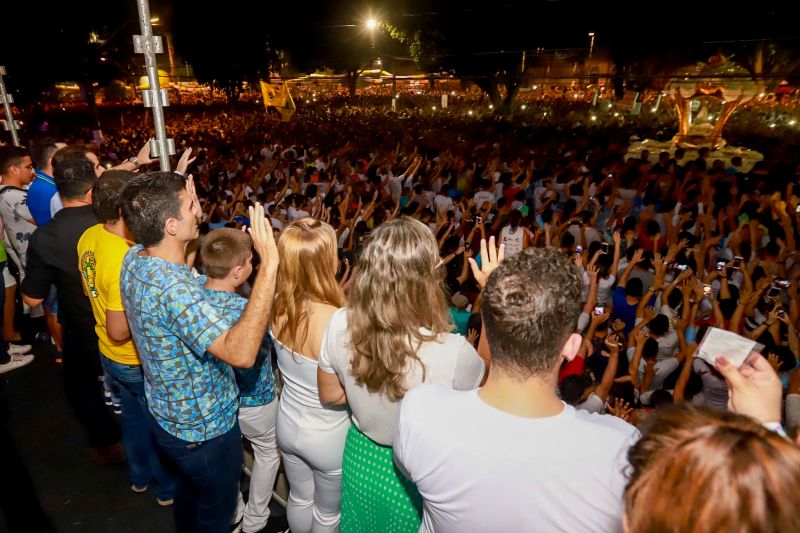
{"type": "Point", "coordinates": [279, 98]}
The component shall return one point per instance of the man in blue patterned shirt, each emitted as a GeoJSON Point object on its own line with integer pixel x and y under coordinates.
{"type": "Point", "coordinates": [187, 346]}
{"type": "Point", "coordinates": [227, 261]}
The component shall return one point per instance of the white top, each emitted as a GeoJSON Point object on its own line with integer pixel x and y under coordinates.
{"type": "Point", "coordinates": [512, 239]}
{"type": "Point", "coordinates": [300, 395]}
{"type": "Point", "coordinates": [452, 362]}
{"type": "Point", "coordinates": [483, 196]}
{"type": "Point", "coordinates": [480, 469]}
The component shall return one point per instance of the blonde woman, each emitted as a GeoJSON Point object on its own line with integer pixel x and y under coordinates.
{"type": "Point", "coordinates": [310, 436]}
{"type": "Point", "coordinates": [392, 336]}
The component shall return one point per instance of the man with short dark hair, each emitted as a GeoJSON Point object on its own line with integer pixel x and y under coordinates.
{"type": "Point", "coordinates": [43, 188]}
{"type": "Point", "coordinates": [187, 346]}
{"type": "Point", "coordinates": [512, 456]}
{"type": "Point", "coordinates": [53, 260]}
{"type": "Point", "coordinates": [101, 249]}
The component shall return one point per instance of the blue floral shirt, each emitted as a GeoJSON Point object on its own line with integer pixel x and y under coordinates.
{"type": "Point", "coordinates": [256, 384]}
{"type": "Point", "coordinates": [190, 393]}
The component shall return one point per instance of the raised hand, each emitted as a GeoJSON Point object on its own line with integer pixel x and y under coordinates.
{"type": "Point", "coordinates": [754, 389]}
{"type": "Point", "coordinates": [185, 161]}
{"type": "Point", "coordinates": [263, 239]}
{"type": "Point", "coordinates": [621, 409]}
{"type": "Point", "coordinates": [491, 257]}
{"type": "Point", "coordinates": [472, 336]}
{"type": "Point", "coordinates": [143, 157]}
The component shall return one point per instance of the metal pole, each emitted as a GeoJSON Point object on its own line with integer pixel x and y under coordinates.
{"type": "Point", "coordinates": [11, 124]}
{"type": "Point", "coordinates": [155, 97]}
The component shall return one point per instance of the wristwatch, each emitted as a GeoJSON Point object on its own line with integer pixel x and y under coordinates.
{"type": "Point", "coordinates": [134, 160]}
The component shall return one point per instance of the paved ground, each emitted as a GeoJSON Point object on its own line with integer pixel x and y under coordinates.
{"type": "Point", "coordinates": [78, 496]}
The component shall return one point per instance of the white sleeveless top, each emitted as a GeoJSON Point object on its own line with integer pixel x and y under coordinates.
{"type": "Point", "coordinates": [300, 395]}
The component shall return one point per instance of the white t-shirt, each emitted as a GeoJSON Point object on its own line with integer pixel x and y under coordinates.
{"type": "Point", "coordinates": [483, 196]}
{"type": "Point", "coordinates": [512, 239]}
{"type": "Point", "coordinates": [452, 362]}
{"type": "Point", "coordinates": [480, 469]}
{"type": "Point", "coordinates": [443, 204]}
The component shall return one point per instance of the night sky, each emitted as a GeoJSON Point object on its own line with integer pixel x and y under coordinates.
{"type": "Point", "coordinates": [44, 41]}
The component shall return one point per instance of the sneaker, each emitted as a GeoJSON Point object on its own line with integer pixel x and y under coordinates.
{"type": "Point", "coordinates": [139, 490]}
{"type": "Point", "coordinates": [165, 503]}
{"type": "Point", "coordinates": [16, 361]}
{"type": "Point", "coordinates": [18, 349]}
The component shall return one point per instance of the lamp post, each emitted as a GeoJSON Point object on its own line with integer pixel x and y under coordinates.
{"type": "Point", "coordinates": [591, 44]}
{"type": "Point", "coordinates": [7, 100]}
{"type": "Point", "coordinates": [156, 97]}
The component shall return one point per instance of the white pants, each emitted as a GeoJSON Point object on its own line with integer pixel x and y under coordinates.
{"type": "Point", "coordinates": [258, 426]}
{"type": "Point", "coordinates": [312, 459]}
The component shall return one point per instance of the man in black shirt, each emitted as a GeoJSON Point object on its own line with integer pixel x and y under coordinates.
{"type": "Point", "coordinates": [53, 260]}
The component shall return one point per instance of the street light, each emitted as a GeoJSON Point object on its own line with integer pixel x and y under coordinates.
{"type": "Point", "coordinates": [591, 43]}
{"type": "Point", "coordinates": [372, 24]}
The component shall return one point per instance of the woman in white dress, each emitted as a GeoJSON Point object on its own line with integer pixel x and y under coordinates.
{"type": "Point", "coordinates": [311, 437]}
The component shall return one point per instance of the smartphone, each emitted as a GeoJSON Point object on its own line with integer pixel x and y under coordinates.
{"type": "Point", "coordinates": [737, 262]}
{"type": "Point", "coordinates": [598, 310]}
{"type": "Point", "coordinates": [773, 292]}
{"type": "Point", "coordinates": [783, 283]}
{"type": "Point", "coordinates": [479, 219]}
{"type": "Point", "coordinates": [707, 290]}
{"type": "Point", "coordinates": [603, 247]}
{"type": "Point", "coordinates": [720, 266]}
{"type": "Point", "coordinates": [679, 267]}
{"type": "Point", "coordinates": [579, 249]}
{"type": "Point", "coordinates": [781, 313]}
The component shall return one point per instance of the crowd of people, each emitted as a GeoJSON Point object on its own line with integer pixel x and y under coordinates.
{"type": "Point", "coordinates": [430, 324]}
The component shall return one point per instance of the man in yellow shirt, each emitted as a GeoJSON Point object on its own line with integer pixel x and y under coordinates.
{"type": "Point", "coordinates": [101, 249]}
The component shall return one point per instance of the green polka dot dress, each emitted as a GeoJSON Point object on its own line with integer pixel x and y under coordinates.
{"type": "Point", "coordinates": [376, 497]}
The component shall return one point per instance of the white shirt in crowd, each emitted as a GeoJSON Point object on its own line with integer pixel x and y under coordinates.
{"type": "Point", "coordinates": [512, 238]}
{"type": "Point", "coordinates": [483, 196]}
{"type": "Point", "coordinates": [480, 469]}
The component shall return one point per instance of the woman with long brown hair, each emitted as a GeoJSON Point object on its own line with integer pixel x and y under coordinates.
{"type": "Point", "coordinates": [393, 335]}
{"type": "Point", "coordinates": [310, 436]}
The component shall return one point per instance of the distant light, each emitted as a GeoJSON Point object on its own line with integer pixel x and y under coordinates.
{"type": "Point", "coordinates": [710, 117]}
{"type": "Point", "coordinates": [372, 24]}
{"type": "Point", "coordinates": [591, 34]}
{"type": "Point", "coordinates": [609, 106]}
{"type": "Point", "coordinates": [545, 114]}
{"type": "Point", "coordinates": [535, 87]}
{"type": "Point", "coordinates": [762, 95]}
{"type": "Point", "coordinates": [772, 125]}
{"type": "Point", "coordinates": [469, 112]}
{"type": "Point", "coordinates": [594, 117]}
{"type": "Point", "coordinates": [616, 114]}
{"type": "Point", "coordinates": [315, 99]}
{"type": "Point", "coordinates": [653, 109]}
{"type": "Point", "coordinates": [792, 122]}
{"type": "Point", "coordinates": [308, 101]}
{"type": "Point", "coordinates": [575, 95]}
{"type": "Point", "coordinates": [523, 107]}
{"type": "Point", "coordinates": [154, 20]}
{"type": "Point", "coordinates": [491, 106]}
{"type": "Point", "coordinates": [453, 93]}
{"type": "Point", "coordinates": [103, 59]}
{"type": "Point", "coordinates": [434, 108]}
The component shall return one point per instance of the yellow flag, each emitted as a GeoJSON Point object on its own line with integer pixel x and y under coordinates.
{"type": "Point", "coordinates": [278, 98]}
{"type": "Point", "coordinates": [288, 108]}
{"type": "Point", "coordinates": [269, 93]}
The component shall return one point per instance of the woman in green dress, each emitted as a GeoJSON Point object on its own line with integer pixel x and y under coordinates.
{"type": "Point", "coordinates": [392, 335]}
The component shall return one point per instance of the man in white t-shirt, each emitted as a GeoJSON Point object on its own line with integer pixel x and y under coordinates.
{"type": "Point", "coordinates": [511, 456]}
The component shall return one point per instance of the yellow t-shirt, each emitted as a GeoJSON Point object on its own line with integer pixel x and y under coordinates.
{"type": "Point", "coordinates": [100, 255]}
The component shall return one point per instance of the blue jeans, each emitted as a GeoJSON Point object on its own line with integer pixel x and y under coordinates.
{"type": "Point", "coordinates": [144, 462]}
{"type": "Point", "coordinates": [207, 483]}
